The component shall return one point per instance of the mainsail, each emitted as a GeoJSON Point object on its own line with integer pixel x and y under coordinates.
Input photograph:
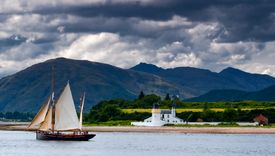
{"type": "Point", "coordinates": [41, 114]}
{"type": "Point", "coordinates": [65, 113]}
{"type": "Point", "coordinates": [46, 125]}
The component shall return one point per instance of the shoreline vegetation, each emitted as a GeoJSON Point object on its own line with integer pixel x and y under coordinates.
{"type": "Point", "coordinates": [115, 110]}
{"type": "Point", "coordinates": [120, 113]}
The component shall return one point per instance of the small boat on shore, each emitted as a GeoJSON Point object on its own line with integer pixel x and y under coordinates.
{"type": "Point", "coordinates": [60, 119]}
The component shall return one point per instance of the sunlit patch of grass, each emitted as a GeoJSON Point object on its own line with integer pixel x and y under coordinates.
{"type": "Point", "coordinates": [189, 110]}
{"type": "Point", "coordinates": [183, 110]}
{"type": "Point", "coordinates": [136, 110]}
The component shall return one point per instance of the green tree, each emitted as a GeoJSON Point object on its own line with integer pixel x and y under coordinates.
{"type": "Point", "coordinates": [187, 120]}
{"type": "Point", "coordinates": [230, 115]}
{"type": "Point", "coordinates": [16, 115]}
{"type": "Point", "coordinates": [9, 115]}
{"type": "Point", "coordinates": [2, 114]}
{"type": "Point", "coordinates": [205, 107]}
{"type": "Point", "coordinates": [141, 95]}
{"type": "Point", "coordinates": [165, 104]}
{"type": "Point", "coordinates": [103, 117]}
{"type": "Point", "coordinates": [148, 101]}
{"type": "Point", "coordinates": [167, 97]}
{"type": "Point", "coordinates": [209, 115]}
{"type": "Point", "coordinates": [111, 111]}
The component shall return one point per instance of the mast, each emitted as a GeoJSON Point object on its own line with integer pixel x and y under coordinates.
{"type": "Point", "coordinates": [81, 111]}
{"type": "Point", "coordinates": [53, 104]}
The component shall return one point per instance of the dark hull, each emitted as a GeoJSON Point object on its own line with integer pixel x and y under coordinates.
{"type": "Point", "coordinates": [45, 136]}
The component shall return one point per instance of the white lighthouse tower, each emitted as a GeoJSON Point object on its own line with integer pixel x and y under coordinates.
{"type": "Point", "coordinates": [156, 116]}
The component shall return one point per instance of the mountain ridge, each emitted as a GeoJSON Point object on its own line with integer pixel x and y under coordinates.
{"type": "Point", "coordinates": [28, 89]}
{"type": "Point", "coordinates": [236, 95]}
{"type": "Point", "coordinates": [205, 80]}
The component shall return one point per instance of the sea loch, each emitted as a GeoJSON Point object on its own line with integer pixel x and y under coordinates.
{"type": "Point", "coordinates": [136, 144]}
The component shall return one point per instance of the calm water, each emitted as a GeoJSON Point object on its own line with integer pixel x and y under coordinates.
{"type": "Point", "coordinates": [140, 144]}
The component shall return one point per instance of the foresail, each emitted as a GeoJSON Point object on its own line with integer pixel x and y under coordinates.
{"type": "Point", "coordinates": [81, 110]}
{"type": "Point", "coordinates": [41, 114]}
{"type": "Point", "coordinates": [65, 113]}
{"type": "Point", "coordinates": [46, 125]}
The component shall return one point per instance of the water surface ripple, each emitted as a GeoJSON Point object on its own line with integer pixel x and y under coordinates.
{"type": "Point", "coordinates": [140, 144]}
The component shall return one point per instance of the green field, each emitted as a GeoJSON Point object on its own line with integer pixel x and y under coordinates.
{"type": "Point", "coordinates": [180, 110]}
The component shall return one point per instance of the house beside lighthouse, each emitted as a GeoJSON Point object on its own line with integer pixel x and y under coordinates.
{"type": "Point", "coordinates": [160, 117]}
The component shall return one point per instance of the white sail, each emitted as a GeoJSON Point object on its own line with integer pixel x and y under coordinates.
{"type": "Point", "coordinates": [41, 114]}
{"type": "Point", "coordinates": [46, 125]}
{"type": "Point", "coordinates": [81, 110]}
{"type": "Point", "coordinates": [65, 113]}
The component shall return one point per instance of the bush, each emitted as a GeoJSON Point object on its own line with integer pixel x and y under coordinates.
{"type": "Point", "coordinates": [209, 115]}
{"type": "Point", "coordinates": [230, 115]}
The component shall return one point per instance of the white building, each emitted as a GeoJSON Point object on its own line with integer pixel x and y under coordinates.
{"type": "Point", "coordinates": [160, 118]}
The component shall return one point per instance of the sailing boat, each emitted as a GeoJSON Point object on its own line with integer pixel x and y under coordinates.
{"type": "Point", "coordinates": [60, 117]}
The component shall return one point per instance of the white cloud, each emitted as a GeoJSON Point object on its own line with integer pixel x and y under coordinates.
{"type": "Point", "coordinates": [122, 52]}
{"type": "Point", "coordinates": [122, 42]}
{"type": "Point", "coordinates": [266, 71]}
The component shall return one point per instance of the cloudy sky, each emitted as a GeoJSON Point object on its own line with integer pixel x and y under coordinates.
{"type": "Point", "coordinates": [209, 34]}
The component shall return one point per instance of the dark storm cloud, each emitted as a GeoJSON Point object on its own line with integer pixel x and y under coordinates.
{"type": "Point", "coordinates": [240, 20]}
{"type": "Point", "coordinates": [155, 10]}
{"type": "Point", "coordinates": [45, 40]}
{"type": "Point", "coordinates": [261, 46]}
{"type": "Point", "coordinates": [13, 40]}
{"type": "Point", "coordinates": [3, 18]}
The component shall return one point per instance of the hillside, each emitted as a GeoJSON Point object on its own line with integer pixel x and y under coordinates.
{"type": "Point", "coordinates": [266, 94]}
{"type": "Point", "coordinates": [27, 90]}
{"type": "Point", "coordinates": [204, 80]}
{"type": "Point", "coordinates": [147, 68]}
{"type": "Point", "coordinates": [248, 81]}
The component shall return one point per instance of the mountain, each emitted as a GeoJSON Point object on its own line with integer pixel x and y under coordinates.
{"type": "Point", "coordinates": [27, 90]}
{"type": "Point", "coordinates": [204, 80]}
{"type": "Point", "coordinates": [250, 82]}
{"type": "Point", "coordinates": [220, 95]}
{"type": "Point", "coordinates": [266, 94]}
{"type": "Point", "coordinates": [147, 68]}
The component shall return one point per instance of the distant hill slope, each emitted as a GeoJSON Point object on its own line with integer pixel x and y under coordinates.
{"type": "Point", "coordinates": [247, 81]}
{"type": "Point", "coordinates": [147, 68]}
{"type": "Point", "coordinates": [266, 94]}
{"type": "Point", "coordinates": [204, 80]}
{"type": "Point", "coordinates": [27, 90]}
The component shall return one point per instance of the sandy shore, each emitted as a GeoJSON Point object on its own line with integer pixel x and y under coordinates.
{"type": "Point", "coordinates": [212, 130]}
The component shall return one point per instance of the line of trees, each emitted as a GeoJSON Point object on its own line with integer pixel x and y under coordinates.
{"type": "Point", "coordinates": [228, 115]}
{"type": "Point", "coordinates": [17, 115]}
{"type": "Point", "coordinates": [113, 113]}
{"type": "Point", "coordinates": [146, 102]}
{"type": "Point", "coordinates": [111, 110]}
